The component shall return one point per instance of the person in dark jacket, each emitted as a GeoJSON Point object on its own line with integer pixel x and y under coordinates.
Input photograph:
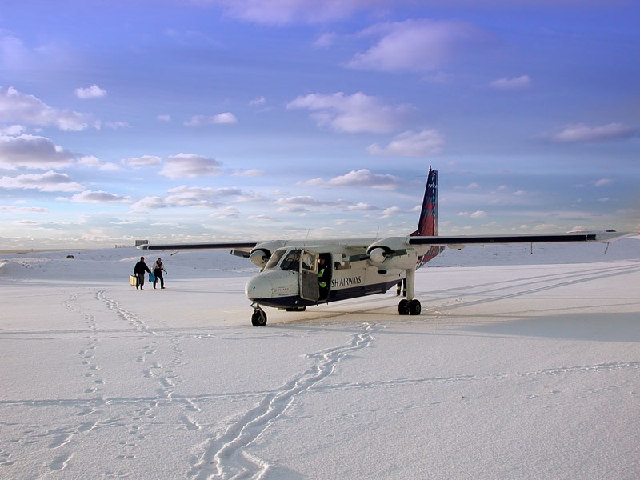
{"type": "Point", "coordinates": [158, 268]}
{"type": "Point", "coordinates": [139, 270]}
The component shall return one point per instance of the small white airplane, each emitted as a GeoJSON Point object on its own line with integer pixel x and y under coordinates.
{"type": "Point", "coordinates": [297, 274]}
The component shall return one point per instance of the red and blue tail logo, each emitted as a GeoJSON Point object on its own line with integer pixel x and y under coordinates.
{"type": "Point", "coordinates": [428, 222]}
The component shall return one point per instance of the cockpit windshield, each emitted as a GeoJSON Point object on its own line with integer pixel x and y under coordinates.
{"type": "Point", "coordinates": [275, 259]}
{"type": "Point", "coordinates": [291, 260]}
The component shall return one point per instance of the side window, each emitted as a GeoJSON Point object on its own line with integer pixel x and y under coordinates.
{"type": "Point", "coordinates": [342, 265]}
{"type": "Point", "coordinates": [291, 261]}
{"type": "Point", "coordinates": [309, 261]}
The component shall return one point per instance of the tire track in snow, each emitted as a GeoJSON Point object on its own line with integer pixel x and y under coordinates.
{"type": "Point", "coordinates": [207, 398]}
{"type": "Point", "coordinates": [88, 353]}
{"type": "Point", "coordinates": [153, 368]}
{"type": "Point", "coordinates": [225, 457]}
{"type": "Point", "coordinates": [59, 444]}
{"type": "Point", "coordinates": [556, 371]}
{"type": "Point", "coordinates": [526, 286]}
{"type": "Point", "coordinates": [62, 440]}
{"type": "Point", "coordinates": [124, 314]}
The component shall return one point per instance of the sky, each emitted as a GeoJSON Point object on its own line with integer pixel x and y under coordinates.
{"type": "Point", "coordinates": [204, 120]}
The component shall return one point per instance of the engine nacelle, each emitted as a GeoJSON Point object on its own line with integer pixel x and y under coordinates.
{"type": "Point", "coordinates": [378, 255]}
{"type": "Point", "coordinates": [259, 257]}
{"type": "Point", "coordinates": [392, 253]}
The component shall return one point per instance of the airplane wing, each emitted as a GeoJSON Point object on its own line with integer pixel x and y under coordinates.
{"type": "Point", "coordinates": [264, 245]}
{"type": "Point", "coordinates": [464, 240]}
{"type": "Point", "coordinates": [239, 249]}
{"type": "Point", "coordinates": [197, 246]}
{"type": "Point", "coordinates": [396, 251]}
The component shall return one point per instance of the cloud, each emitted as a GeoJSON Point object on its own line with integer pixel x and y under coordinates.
{"type": "Point", "coordinates": [16, 107]}
{"type": "Point", "coordinates": [13, 53]}
{"type": "Point", "coordinates": [12, 130]}
{"type": "Point", "coordinates": [305, 200]}
{"type": "Point", "coordinates": [143, 161]}
{"type": "Point", "coordinates": [298, 204]}
{"type": "Point", "coordinates": [603, 182]}
{"type": "Point", "coordinates": [185, 196]}
{"type": "Point", "coordinates": [189, 166]}
{"type": "Point", "coordinates": [326, 40]}
{"type": "Point", "coordinates": [281, 12]}
{"type": "Point", "coordinates": [584, 133]}
{"type": "Point", "coordinates": [258, 101]}
{"type": "Point", "coordinates": [30, 151]}
{"type": "Point", "coordinates": [45, 182]}
{"type": "Point", "coordinates": [473, 186]}
{"type": "Point", "coordinates": [98, 196]}
{"type": "Point", "coordinates": [225, 118]}
{"type": "Point", "coordinates": [392, 212]}
{"type": "Point", "coordinates": [362, 207]}
{"type": "Point", "coordinates": [16, 57]}
{"type": "Point", "coordinates": [116, 125]}
{"type": "Point", "coordinates": [89, 161]}
{"type": "Point", "coordinates": [355, 178]}
{"type": "Point", "coordinates": [516, 83]}
{"type": "Point", "coordinates": [365, 178]}
{"type": "Point", "coordinates": [352, 113]}
{"type": "Point", "coordinates": [248, 173]}
{"type": "Point", "coordinates": [314, 182]}
{"type": "Point", "coordinates": [417, 45]}
{"type": "Point", "coordinates": [17, 209]}
{"type": "Point", "coordinates": [262, 219]}
{"type": "Point", "coordinates": [412, 144]}
{"type": "Point", "coordinates": [148, 203]}
{"type": "Point", "coordinates": [225, 213]}
{"type": "Point", "coordinates": [92, 161]}
{"type": "Point", "coordinates": [93, 91]}
{"type": "Point", "coordinates": [476, 214]}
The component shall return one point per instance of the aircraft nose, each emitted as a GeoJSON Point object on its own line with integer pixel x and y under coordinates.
{"type": "Point", "coordinates": [258, 287]}
{"type": "Point", "coordinates": [272, 284]}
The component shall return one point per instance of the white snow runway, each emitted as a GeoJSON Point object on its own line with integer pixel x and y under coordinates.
{"type": "Point", "coordinates": [512, 371]}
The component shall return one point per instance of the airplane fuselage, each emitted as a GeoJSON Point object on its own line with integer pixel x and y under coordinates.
{"type": "Point", "coordinates": [336, 277]}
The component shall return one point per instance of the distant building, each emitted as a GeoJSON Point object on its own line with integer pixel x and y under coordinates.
{"type": "Point", "coordinates": [141, 242]}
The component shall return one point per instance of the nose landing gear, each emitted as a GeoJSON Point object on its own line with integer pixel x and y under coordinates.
{"type": "Point", "coordinates": [259, 317]}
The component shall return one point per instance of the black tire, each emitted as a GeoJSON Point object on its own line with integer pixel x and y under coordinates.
{"type": "Point", "coordinates": [259, 318]}
{"type": "Point", "coordinates": [403, 307]}
{"type": "Point", "coordinates": [415, 307]}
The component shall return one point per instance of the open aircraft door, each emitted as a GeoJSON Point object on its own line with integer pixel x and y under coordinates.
{"type": "Point", "coordinates": [309, 289]}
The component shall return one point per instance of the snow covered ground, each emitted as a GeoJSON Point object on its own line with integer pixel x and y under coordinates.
{"type": "Point", "coordinates": [521, 366]}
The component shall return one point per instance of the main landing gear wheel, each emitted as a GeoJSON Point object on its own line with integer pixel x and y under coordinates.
{"type": "Point", "coordinates": [409, 307]}
{"type": "Point", "coordinates": [403, 307]}
{"type": "Point", "coordinates": [414, 307]}
{"type": "Point", "coordinates": [259, 318]}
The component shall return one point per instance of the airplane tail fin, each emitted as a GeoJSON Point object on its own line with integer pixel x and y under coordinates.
{"type": "Point", "coordinates": [428, 222]}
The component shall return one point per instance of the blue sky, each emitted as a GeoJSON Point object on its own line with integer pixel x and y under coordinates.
{"type": "Point", "coordinates": [243, 119]}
